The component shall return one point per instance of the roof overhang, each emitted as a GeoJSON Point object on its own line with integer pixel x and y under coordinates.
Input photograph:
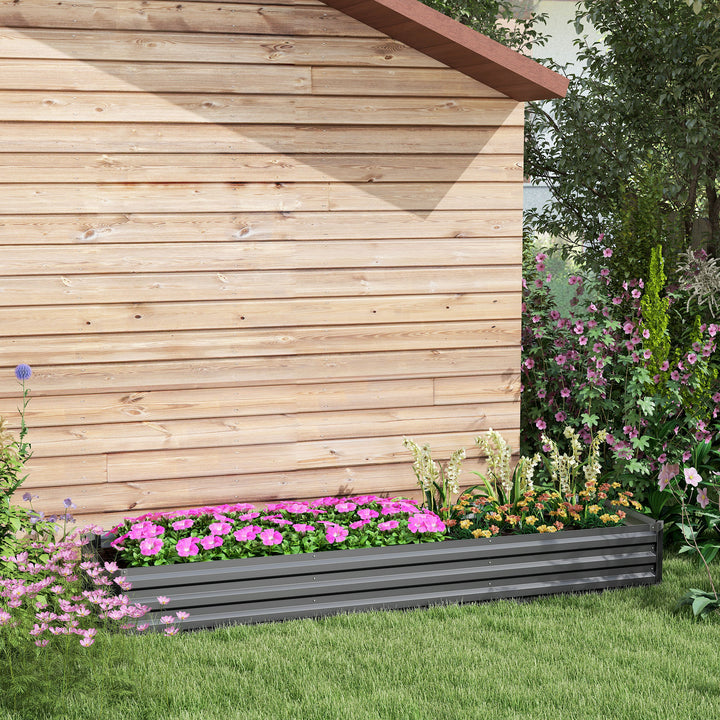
{"type": "Point", "coordinates": [457, 46]}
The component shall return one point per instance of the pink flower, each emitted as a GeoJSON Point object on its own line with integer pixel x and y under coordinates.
{"type": "Point", "coordinates": [583, 340]}
{"type": "Point", "coordinates": [636, 294]}
{"type": "Point", "coordinates": [220, 528]}
{"type": "Point", "coordinates": [702, 498]}
{"type": "Point", "coordinates": [388, 525]}
{"type": "Point", "coordinates": [171, 630]}
{"type": "Point", "coordinates": [628, 327]}
{"type": "Point", "coordinates": [529, 363]}
{"type": "Point", "coordinates": [667, 473]}
{"type": "Point", "coordinates": [302, 527]}
{"type": "Point", "coordinates": [247, 533]}
{"type": "Point", "coordinates": [665, 366]}
{"type": "Point", "coordinates": [560, 416]}
{"type": "Point", "coordinates": [541, 394]}
{"type": "Point", "coordinates": [335, 533]}
{"type": "Point", "coordinates": [270, 537]}
{"type": "Point", "coordinates": [183, 524]}
{"type": "Point", "coordinates": [425, 523]}
{"type": "Point", "coordinates": [565, 392]}
{"type": "Point", "coordinates": [607, 252]}
{"type": "Point", "coordinates": [143, 530]}
{"type": "Point", "coordinates": [604, 272]}
{"type": "Point", "coordinates": [692, 476]}
{"type": "Point", "coordinates": [211, 541]}
{"type": "Point", "coordinates": [561, 359]}
{"type": "Point", "coordinates": [182, 615]}
{"type": "Point", "coordinates": [344, 507]}
{"type": "Point", "coordinates": [151, 546]}
{"type": "Point", "coordinates": [554, 314]}
{"type": "Point", "coordinates": [87, 641]}
{"type": "Point", "coordinates": [163, 600]}
{"type": "Point", "coordinates": [692, 358]}
{"type": "Point", "coordinates": [187, 547]}
{"type": "Point", "coordinates": [540, 424]}
{"type": "Point", "coordinates": [367, 514]}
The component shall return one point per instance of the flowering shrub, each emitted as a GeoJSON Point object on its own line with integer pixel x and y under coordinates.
{"type": "Point", "coordinates": [242, 530]}
{"type": "Point", "coordinates": [598, 365]}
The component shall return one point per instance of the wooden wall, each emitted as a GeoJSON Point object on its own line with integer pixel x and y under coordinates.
{"type": "Point", "coordinates": [246, 248]}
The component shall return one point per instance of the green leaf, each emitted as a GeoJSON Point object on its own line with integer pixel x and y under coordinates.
{"type": "Point", "coordinates": [590, 420]}
{"type": "Point", "coordinates": [700, 604]}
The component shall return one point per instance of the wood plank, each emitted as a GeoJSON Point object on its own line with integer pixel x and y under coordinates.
{"type": "Point", "coordinates": [398, 81]}
{"type": "Point", "coordinates": [254, 431]}
{"type": "Point", "coordinates": [223, 227]}
{"type": "Point", "coordinates": [262, 197]}
{"type": "Point", "coordinates": [133, 77]}
{"type": "Point", "coordinates": [194, 47]}
{"type": "Point", "coordinates": [321, 454]}
{"type": "Point", "coordinates": [172, 16]}
{"type": "Point", "coordinates": [93, 167]}
{"type": "Point", "coordinates": [187, 403]}
{"type": "Point", "coordinates": [178, 345]}
{"type": "Point", "coordinates": [234, 138]}
{"type": "Point", "coordinates": [170, 287]}
{"type": "Point", "coordinates": [275, 109]}
{"type": "Point", "coordinates": [164, 495]}
{"type": "Point", "coordinates": [451, 390]}
{"type": "Point", "coordinates": [285, 314]}
{"type": "Point", "coordinates": [226, 257]}
{"type": "Point", "coordinates": [239, 372]}
{"type": "Point", "coordinates": [65, 472]}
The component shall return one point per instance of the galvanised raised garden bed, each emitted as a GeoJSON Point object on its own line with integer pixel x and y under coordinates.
{"type": "Point", "coordinates": [282, 587]}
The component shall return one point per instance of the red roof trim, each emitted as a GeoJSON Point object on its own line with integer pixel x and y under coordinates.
{"type": "Point", "coordinates": [457, 46]}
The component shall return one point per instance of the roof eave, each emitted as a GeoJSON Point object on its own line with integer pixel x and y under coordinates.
{"type": "Point", "coordinates": [457, 46]}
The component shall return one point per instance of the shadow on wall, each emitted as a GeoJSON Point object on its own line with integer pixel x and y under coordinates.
{"type": "Point", "coordinates": [224, 113]}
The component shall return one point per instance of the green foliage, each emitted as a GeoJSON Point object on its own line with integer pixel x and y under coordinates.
{"type": "Point", "coordinates": [510, 22]}
{"type": "Point", "coordinates": [640, 104]}
{"type": "Point", "coordinates": [654, 310]}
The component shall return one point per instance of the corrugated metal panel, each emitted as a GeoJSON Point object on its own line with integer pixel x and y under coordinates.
{"type": "Point", "coordinates": [289, 586]}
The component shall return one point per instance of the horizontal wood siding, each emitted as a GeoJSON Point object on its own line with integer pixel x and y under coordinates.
{"type": "Point", "coordinates": [246, 249]}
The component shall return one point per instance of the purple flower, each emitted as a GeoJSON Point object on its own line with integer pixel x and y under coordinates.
{"type": "Point", "coordinates": [23, 372]}
{"type": "Point", "coordinates": [27, 497]}
{"type": "Point", "coordinates": [68, 503]}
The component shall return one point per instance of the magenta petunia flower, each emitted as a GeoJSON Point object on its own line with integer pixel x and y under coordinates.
{"type": "Point", "coordinates": [270, 537]}
{"type": "Point", "coordinates": [211, 541]}
{"type": "Point", "coordinates": [388, 525]}
{"type": "Point", "coordinates": [247, 533]}
{"type": "Point", "coordinates": [220, 528]}
{"type": "Point", "coordinates": [367, 514]}
{"type": "Point", "coordinates": [425, 522]}
{"type": "Point", "coordinates": [183, 524]}
{"type": "Point", "coordinates": [335, 533]}
{"type": "Point", "coordinates": [151, 546]}
{"type": "Point", "coordinates": [344, 507]}
{"type": "Point", "coordinates": [302, 527]}
{"type": "Point", "coordinates": [187, 547]}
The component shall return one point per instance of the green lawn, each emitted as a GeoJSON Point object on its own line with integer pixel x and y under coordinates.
{"type": "Point", "coordinates": [618, 655]}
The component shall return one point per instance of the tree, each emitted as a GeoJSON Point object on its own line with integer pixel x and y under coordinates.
{"type": "Point", "coordinates": [645, 106]}
{"type": "Point", "coordinates": [510, 22]}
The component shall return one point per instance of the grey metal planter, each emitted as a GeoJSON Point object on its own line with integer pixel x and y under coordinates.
{"type": "Point", "coordinates": [282, 587]}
